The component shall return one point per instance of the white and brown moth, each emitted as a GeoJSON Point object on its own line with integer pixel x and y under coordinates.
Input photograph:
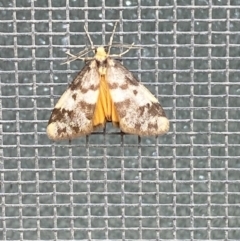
{"type": "Point", "coordinates": [105, 91]}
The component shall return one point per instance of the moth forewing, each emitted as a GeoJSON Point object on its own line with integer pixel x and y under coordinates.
{"type": "Point", "coordinates": [139, 111]}
{"type": "Point", "coordinates": [72, 115]}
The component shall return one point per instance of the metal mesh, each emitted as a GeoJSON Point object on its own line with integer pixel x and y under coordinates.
{"type": "Point", "coordinates": [111, 186]}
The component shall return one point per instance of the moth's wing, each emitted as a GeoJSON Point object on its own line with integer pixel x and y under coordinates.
{"type": "Point", "coordinates": [139, 111]}
{"type": "Point", "coordinates": [72, 115]}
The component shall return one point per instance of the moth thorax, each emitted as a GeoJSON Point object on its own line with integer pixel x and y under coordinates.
{"type": "Point", "coordinates": [102, 66]}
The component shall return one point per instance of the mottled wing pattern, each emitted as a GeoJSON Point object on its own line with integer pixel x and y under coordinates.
{"type": "Point", "coordinates": [73, 113]}
{"type": "Point", "coordinates": [138, 110]}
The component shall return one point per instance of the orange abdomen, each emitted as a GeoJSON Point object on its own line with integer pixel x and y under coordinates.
{"type": "Point", "coordinates": [105, 109]}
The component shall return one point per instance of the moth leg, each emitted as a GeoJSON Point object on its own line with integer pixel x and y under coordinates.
{"type": "Point", "coordinates": [120, 55]}
{"type": "Point", "coordinates": [78, 56]}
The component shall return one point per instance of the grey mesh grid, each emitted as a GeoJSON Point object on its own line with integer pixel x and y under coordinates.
{"type": "Point", "coordinates": [110, 186]}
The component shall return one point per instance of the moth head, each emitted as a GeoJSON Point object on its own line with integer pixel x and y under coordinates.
{"type": "Point", "coordinates": [100, 54]}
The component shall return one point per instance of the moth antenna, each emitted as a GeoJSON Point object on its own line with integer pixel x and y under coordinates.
{"type": "Point", "coordinates": [89, 38]}
{"type": "Point", "coordinates": [111, 38]}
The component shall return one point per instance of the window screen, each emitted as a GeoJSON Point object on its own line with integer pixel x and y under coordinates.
{"type": "Point", "coordinates": [109, 185]}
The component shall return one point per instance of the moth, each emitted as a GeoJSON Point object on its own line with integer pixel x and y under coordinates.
{"type": "Point", "coordinates": [105, 91]}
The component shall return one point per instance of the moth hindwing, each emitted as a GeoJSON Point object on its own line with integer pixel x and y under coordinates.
{"type": "Point", "coordinates": [104, 90]}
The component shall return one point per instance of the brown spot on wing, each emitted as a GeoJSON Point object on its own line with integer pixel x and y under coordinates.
{"type": "Point", "coordinates": [152, 126]}
{"type": "Point", "coordinates": [113, 85]}
{"type": "Point", "coordinates": [116, 85]}
{"type": "Point", "coordinates": [74, 96]}
{"type": "Point", "coordinates": [87, 108]}
{"type": "Point", "coordinates": [68, 112]}
{"type": "Point", "coordinates": [141, 109]}
{"type": "Point", "coordinates": [75, 128]}
{"type": "Point", "coordinates": [137, 126]}
{"type": "Point", "coordinates": [59, 114]}
{"type": "Point", "coordinates": [85, 90]}
{"type": "Point", "coordinates": [135, 92]}
{"type": "Point", "coordinates": [60, 131]}
{"type": "Point", "coordinates": [156, 109]}
{"type": "Point", "coordinates": [122, 107]}
{"type": "Point", "coordinates": [130, 79]}
{"type": "Point", "coordinates": [124, 86]}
